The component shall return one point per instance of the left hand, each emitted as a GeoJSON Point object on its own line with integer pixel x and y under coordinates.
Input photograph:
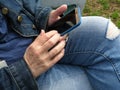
{"type": "Point", "coordinates": [55, 14]}
{"type": "Point", "coordinates": [45, 51]}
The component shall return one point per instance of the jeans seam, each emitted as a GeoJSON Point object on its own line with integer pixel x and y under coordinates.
{"type": "Point", "coordinates": [13, 79]}
{"type": "Point", "coordinates": [98, 53]}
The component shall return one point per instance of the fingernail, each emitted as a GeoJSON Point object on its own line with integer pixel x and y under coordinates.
{"type": "Point", "coordinates": [42, 32]}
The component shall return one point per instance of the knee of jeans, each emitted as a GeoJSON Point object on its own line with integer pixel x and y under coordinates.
{"type": "Point", "coordinates": [112, 31]}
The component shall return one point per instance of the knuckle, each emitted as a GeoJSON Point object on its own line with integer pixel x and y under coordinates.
{"type": "Point", "coordinates": [51, 42]}
{"type": "Point", "coordinates": [55, 51]}
{"type": "Point", "coordinates": [37, 51]}
{"type": "Point", "coordinates": [36, 54]}
{"type": "Point", "coordinates": [50, 55]}
{"type": "Point", "coordinates": [46, 65]}
{"type": "Point", "coordinates": [44, 59]}
{"type": "Point", "coordinates": [47, 36]}
{"type": "Point", "coordinates": [31, 48]}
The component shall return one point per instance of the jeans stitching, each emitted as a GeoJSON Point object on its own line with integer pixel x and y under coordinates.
{"type": "Point", "coordinates": [98, 53]}
{"type": "Point", "coordinates": [14, 79]}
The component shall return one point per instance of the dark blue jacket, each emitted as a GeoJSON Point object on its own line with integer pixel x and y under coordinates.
{"type": "Point", "coordinates": [17, 76]}
{"type": "Point", "coordinates": [24, 18]}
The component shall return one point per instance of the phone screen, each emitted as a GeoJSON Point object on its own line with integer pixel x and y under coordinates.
{"type": "Point", "coordinates": [67, 22]}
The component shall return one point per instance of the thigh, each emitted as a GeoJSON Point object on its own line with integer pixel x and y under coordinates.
{"type": "Point", "coordinates": [64, 77]}
{"type": "Point", "coordinates": [85, 40]}
{"type": "Point", "coordinates": [95, 45]}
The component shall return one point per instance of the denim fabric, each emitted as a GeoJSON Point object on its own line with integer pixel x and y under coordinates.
{"type": "Point", "coordinates": [91, 46]}
{"type": "Point", "coordinates": [94, 45]}
{"type": "Point", "coordinates": [17, 77]}
{"type": "Point", "coordinates": [32, 14]}
{"type": "Point", "coordinates": [12, 45]}
{"type": "Point", "coordinates": [64, 77]}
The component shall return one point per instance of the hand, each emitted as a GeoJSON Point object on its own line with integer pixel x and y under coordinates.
{"type": "Point", "coordinates": [44, 52]}
{"type": "Point", "coordinates": [55, 14]}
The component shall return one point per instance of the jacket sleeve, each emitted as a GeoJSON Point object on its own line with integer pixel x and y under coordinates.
{"type": "Point", "coordinates": [17, 76]}
{"type": "Point", "coordinates": [36, 9]}
{"type": "Point", "coordinates": [40, 12]}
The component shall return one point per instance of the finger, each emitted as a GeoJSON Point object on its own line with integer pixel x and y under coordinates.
{"type": "Point", "coordinates": [51, 42]}
{"type": "Point", "coordinates": [44, 37]}
{"type": "Point", "coordinates": [57, 58]}
{"type": "Point", "coordinates": [65, 37]}
{"type": "Point", "coordinates": [54, 51]}
{"type": "Point", "coordinates": [51, 33]}
{"type": "Point", "coordinates": [60, 10]}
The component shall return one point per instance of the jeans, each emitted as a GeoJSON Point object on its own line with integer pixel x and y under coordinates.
{"type": "Point", "coordinates": [93, 58]}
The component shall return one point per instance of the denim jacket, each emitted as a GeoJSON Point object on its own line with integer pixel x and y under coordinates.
{"type": "Point", "coordinates": [16, 77]}
{"type": "Point", "coordinates": [26, 17]}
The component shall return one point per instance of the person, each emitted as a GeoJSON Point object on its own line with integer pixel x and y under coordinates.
{"type": "Point", "coordinates": [90, 46]}
{"type": "Point", "coordinates": [12, 48]}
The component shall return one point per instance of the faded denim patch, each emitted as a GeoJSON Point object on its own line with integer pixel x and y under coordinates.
{"type": "Point", "coordinates": [112, 31]}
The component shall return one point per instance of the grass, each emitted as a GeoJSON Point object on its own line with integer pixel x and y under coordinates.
{"type": "Point", "coordinates": [106, 8]}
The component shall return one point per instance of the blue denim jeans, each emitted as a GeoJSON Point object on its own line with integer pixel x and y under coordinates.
{"type": "Point", "coordinates": [94, 46]}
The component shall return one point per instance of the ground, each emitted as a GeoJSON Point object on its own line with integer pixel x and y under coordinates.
{"type": "Point", "coordinates": [107, 8]}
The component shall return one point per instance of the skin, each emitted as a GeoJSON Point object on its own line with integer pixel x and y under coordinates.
{"type": "Point", "coordinates": [48, 48]}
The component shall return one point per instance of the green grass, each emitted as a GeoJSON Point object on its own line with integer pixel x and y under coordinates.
{"type": "Point", "coordinates": [106, 8]}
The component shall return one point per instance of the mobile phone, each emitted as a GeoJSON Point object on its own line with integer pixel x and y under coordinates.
{"type": "Point", "coordinates": [69, 20]}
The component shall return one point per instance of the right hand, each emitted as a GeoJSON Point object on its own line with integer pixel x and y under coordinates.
{"type": "Point", "coordinates": [55, 14]}
{"type": "Point", "coordinates": [44, 52]}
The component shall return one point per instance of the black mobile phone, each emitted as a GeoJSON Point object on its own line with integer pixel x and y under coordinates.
{"type": "Point", "coordinates": [69, 20]}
